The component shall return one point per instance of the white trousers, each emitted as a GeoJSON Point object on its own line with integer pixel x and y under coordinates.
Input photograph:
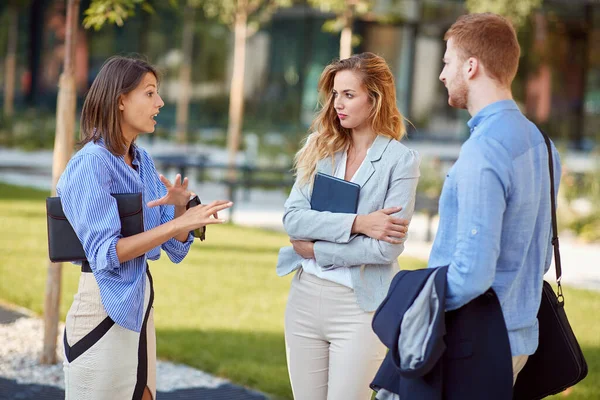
{"type": "Point", "coordinates": [332, 351]}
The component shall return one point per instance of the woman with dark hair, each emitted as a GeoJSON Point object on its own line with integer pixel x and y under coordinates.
{"type": "Point", "coordinates": [345, 262]}
{"type": "Point", "coordinates": [110, 343]}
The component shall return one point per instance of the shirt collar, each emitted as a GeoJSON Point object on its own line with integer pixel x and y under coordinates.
{"type": "Point", "coordinates": [496, 107]}
{"type": "Point", "coordinates": [137, 158]}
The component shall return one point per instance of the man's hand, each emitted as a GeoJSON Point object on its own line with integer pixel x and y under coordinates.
{"type": "Point", "coordinates": [304, 248]}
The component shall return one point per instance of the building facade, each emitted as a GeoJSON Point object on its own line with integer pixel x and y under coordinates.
{"type": "Point", "coordinates": [558, 83]}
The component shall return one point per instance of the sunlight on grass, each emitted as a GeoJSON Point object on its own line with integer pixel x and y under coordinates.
{"type": "Point", "coordinates": [221, 309]}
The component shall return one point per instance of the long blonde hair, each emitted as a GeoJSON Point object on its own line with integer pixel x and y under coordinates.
{"type": "Point", "coordinates": [329, 136]}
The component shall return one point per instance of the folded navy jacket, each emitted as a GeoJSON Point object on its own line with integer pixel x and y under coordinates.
{"type": "Point", "coordinates": [410, 322]}
{"type": "Point", "coordinates": [433, 354]}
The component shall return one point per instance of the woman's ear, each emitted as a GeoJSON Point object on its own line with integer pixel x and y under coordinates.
{"type": "Point", "coordinates": [121, 104]}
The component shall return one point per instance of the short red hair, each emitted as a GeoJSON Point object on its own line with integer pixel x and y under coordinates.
{"type": "Point", "coordinates": [491, 39]}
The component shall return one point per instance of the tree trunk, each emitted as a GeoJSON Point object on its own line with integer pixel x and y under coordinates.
{"type": "Point", "coordinates": [63, 147]}
{"type": "Point", "coordinates": [185, 74]}
{"type": "Point", "coordinates": [236, 94]}
{"type": "Point", "coordinates": [346, 36]}
{"type": "Point", "coordinates": [11, 60]}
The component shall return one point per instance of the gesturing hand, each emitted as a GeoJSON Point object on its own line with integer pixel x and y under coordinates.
{"type": "Point", "coordinates": [304, 248]}
{"type": "Point", "coordinates": [381, 225]}
{"type": "Point", "coordinates": [177, 194]}
{"type": "Point", "coordinates": [200, 215]}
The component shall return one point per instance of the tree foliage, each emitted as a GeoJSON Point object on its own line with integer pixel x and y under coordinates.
{"type": "Point", "coordinates": [113, 12]}
{"type": "Point", "coordinates": [226, 11]}
{"type": "Point", "coordinates": [340, 8]}
{"type": "Point", "coordinates": [517, 11]}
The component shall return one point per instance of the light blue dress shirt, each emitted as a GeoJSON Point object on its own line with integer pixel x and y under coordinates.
{"type": "Point", "coordinates": [495, 224]}
{"type": "Point", "coordinates": [85, 189]}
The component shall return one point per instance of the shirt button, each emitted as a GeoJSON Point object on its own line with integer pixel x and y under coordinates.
{"type": "Point", "coordinates": [473, 231]}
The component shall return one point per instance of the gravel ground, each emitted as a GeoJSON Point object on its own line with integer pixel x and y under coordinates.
{"type": "Point", "coordinates": [21, 347]}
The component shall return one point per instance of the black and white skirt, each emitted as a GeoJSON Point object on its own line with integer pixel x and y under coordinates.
{"type": "Point", "coordinates": [103, 360]}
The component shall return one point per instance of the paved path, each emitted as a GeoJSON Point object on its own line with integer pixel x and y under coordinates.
{"type": "Point", "coordinates": [11, 389]}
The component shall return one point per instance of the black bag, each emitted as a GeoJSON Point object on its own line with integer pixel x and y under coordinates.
{"type": "Point", "coordinates": [558, 362]}
{"type": "Point", "coordinates": [63, 243]}
{"type": "Point", "coordinates": [200, 233]}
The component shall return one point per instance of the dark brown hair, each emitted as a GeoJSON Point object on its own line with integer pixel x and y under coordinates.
{"type": "Point", "coordinates": [100, 116]}
{"type": "Point", "coordinates": [491, 39]}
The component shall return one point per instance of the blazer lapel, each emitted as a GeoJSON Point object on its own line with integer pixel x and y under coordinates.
{"type": "Point", "coordinates": [368, 169]}
{"type": "Point", "coordinates": [374, 155]}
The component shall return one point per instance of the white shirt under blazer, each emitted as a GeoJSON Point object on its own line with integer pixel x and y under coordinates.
{"type": "Point", "coordinates": [388, 177]}
{"type": "Point", "coordinates": [337, 275]}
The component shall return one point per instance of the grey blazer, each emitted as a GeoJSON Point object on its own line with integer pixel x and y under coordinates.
{"type": "Point", "coordinates": [388, 178]}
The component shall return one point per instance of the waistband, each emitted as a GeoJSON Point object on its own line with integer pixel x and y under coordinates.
{"type": "Point", "coordinates": [303, 275]}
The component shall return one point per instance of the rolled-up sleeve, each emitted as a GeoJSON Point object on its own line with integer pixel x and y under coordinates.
{"type": "Point", "coordinates": [482, 189]}
{"type": "Point", "coordinates": [176, 250]}
{"type": "Point", "coordinates": [85, 194]}
{"type": "Point", "coordinates": [363, 249]}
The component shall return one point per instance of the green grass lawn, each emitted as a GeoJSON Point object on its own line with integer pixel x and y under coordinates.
{"type": "Point", "coordinates": [220, 310]}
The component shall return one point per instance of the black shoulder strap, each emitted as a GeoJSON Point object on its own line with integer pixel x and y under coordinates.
{"type": "Point", "coordinates": [555, 243]}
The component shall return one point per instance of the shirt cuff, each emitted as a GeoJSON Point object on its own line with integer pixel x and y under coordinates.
{"type": "Point", "coordinates": [324, 253]}
{"type": "Point", "coordinates": [107, 258]}
{"type": "Point", "coordinates": [177, 250]}
{"type": "Point", "coordinates": [345, 233]}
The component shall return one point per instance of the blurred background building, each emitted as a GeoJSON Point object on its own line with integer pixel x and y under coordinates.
{"type": "Point", "coordinates": [558, 83]}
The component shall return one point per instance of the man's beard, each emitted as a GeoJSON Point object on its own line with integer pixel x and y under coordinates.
{"type": "Point", "coordinates": [459, 97]}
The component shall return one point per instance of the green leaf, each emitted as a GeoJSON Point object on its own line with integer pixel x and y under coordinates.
{"type": "Point", "coordinates": [258, 11]}
{"type": "Point", "coordinates": [333, 25]}
{"type": "Point", "coordinates": [112, 11]}
{"type": "Point", "coordinates": [148, 8]}
{"type": "Point", "coordinates": [517, 11]}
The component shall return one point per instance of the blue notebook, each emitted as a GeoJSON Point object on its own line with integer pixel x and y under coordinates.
{"type": "Point", "coordinates": [334, 194]}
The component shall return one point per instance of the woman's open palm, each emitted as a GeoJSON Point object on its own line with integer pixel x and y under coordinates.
{"type": "Point", "coordinates": [177, 193]}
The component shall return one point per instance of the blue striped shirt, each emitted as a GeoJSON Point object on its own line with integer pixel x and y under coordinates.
{"type": "Point", "coordinates": [85, 189]}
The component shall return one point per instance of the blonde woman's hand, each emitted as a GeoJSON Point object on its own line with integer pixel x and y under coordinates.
{"type": "Point", "coordinates": [304, 248]}
{"type": "Point", "coordinates": [202, 215]}
{"type": "Point", "coordinates": [381, 225]}
{"type": "Point", "coordinates": [177, 195]}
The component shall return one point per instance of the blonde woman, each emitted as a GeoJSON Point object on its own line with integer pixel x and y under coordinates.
{"type": "Point", "coordinates": [345, 262]}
